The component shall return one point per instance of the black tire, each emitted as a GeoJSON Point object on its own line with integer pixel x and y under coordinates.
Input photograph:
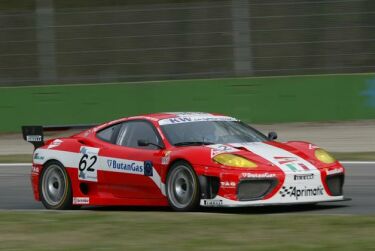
{"type": "Point", "coordinates": [182, 187]}
{"type": "Point", "coordinates": [55, 187]}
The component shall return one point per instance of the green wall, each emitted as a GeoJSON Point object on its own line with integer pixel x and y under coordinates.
{"type": "Point", "coordinates": [259, 100]}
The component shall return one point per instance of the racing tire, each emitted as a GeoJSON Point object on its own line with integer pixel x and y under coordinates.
{"type": "Point", "coordinates": [55, 187]}
{"type": "Point", "coordinates": [182, 187]}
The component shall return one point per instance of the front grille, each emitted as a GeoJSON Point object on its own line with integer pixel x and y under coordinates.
{"type": "Point", "coordinates": [255, 189]}
{"type": "Point", "coordinates": [335, 184]}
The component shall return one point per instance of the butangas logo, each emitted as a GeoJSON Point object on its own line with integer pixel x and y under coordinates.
{"type": "Point", "coordinates": [148, 168]}
{"type": "Point", "coordinates": [296, 192]}
{"type": "Point", "coordinates": [309, 176]}
{"type": "Point", "coordinates": [128, 166]}
{"type": "Point", "coordinates": [258, 175]}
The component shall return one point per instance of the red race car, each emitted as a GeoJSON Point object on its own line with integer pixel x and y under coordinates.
{"type": "Point", "coordinates": [182, 160]}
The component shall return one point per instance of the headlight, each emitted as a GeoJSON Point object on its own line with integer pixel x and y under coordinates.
{"type": "Point", "coordinates": [233, 160]}
{"type": "Point", "coordinates": [324, 157]}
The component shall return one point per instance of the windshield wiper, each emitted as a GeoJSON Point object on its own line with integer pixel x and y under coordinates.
{"type": "Point", "coordinates": [193, 143]}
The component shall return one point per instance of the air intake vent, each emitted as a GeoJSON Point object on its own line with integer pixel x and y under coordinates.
{"type": "Point", "coordinates": [335, 184]}
{"type": "Point", "coordinates": [255, 189]}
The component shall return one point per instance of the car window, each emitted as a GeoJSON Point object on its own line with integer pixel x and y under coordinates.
{"type": "Point", "coordinates": [108, 133]}
{"type": "Point", "coordinates": [132, 131]}
{"type": "Point", "coordinates": [211, 132]}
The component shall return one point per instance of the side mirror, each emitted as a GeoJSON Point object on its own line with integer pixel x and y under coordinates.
{"type": "Point", "coordinates": [142, 142]}
{"type": "Point", "coordinates": [272, 136]}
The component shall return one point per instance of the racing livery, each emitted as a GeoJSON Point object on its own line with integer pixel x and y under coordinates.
{"type": "Point", "coordinates": [179, 159]}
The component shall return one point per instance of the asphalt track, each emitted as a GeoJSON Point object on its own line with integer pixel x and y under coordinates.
{"type": "Point", "coordinates": [15, 194]}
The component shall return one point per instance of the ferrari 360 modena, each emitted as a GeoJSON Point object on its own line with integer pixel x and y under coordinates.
{"type": "Point", "coordinates": [181, 160]}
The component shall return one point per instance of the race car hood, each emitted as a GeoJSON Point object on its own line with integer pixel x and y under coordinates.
{"type": "Point", "coordinates": [269, 156]}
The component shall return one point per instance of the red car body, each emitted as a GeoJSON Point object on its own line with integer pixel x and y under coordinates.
{"type": "Point", "coordinates": [103, 173]}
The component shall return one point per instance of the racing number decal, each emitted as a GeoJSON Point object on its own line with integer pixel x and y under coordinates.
{"type": "Point", "coordinates": [83, 163]}
{"type": "Point", "coordinates": [87, 165]}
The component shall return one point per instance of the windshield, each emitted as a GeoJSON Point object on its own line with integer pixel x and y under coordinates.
{"type": "Point", "coordinates": [211, 132]}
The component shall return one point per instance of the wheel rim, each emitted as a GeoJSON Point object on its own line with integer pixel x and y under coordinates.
{"type": "Point", "coordinates": [181, 186]}
{"type": "Point", "coordinates": [54, 185]}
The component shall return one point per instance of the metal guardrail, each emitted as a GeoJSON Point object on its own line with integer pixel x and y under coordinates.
{"type": "Point", "coordinates": [186, 40]}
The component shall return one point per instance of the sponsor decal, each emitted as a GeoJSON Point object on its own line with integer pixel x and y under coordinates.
{"type": "Point", "coordinates": [87, 133]}
{"type": "Point", "coordinates": [34, 138]}
{"type": "Point", "coordinates": [55, 143]}
{"type": "Point", "coordinates": [81, 200]}
{"type": "Point", "coordinates": [312, 147]}
{"type": "Point", "coordinates": [190, 113]}
{"type": "Point", "coordinates": [258, 175]}
{"type": "Point", "coordinates": [285, 160]}
{"type": "Point", "coordinates": [144, 117]}
{"type": "Point", "coordinates": [219, 148]}
{"type": "Point", "coordinates": [125, 165]}
{"type": "Point", "coordinates": [88, 164]}
{"type": "Point", "coordinates": [292, 163]}
{"type": "Point", "coordinates": [148, 168]}
{"type": "Point", "coordinates": [186, 119]}
{"type": "Point", "coordinates": [38, 157]}
{"type": "Point", "coordinates": [228, 184]}
{"type": "Point", "coordinates": [89, 150]}
{"type": "Point", "coordinates": [35, 170]}
{"type": "Point", "coordinates": [308, 176]}
{"type": "Point", "coordinates": [180, 120]}
{"type": "Point", "coordinates": [335, 171]}
{"type": "Point", "coordinates": [297, 192]}
{"type": "Point", "coordinates": [165, 160]}
{"type": "Point", "coordinates": [213, 202]}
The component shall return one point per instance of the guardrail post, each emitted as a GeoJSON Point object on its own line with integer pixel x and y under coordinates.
{"type": "Point", "coordinates": [46, 41]}
{"type": "Point", "coordinates": [241, 38]}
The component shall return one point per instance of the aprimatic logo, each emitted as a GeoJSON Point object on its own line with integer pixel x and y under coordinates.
{"type": "Point", "coordinates": [297, 192]}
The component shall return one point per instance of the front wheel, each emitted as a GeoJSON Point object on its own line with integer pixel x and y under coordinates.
{"type": "Point", "coordinates": [182, 187]}
{"type": "Point", "coordinates": [55, 188]}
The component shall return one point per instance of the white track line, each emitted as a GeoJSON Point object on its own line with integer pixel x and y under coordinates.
{"type": "Point", "coordinates": [358, 162]}
{"type": "Point", "coordinates": [15, 164]}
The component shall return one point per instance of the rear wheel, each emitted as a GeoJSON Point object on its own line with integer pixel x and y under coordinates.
{"type": "Point", "coordinates": [55, 187]}
{"type": "Point", "coordinates": [182, 187]}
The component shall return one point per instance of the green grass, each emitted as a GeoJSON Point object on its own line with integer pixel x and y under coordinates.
{"type": "Point", "coordinates": [16, 158]}
{"type": "Point", "coordinates": [26, 158]}
{"type": "Point", "coordinates": [182, 231]}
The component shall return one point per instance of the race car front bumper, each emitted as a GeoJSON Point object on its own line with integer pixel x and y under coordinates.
{"type": "Point", "coordinates": [310, 187]}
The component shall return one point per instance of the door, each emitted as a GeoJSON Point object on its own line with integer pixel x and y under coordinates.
{"type": "Point", "coordinates": [133, 170]}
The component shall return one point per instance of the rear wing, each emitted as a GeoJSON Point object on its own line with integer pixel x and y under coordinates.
{"type": "Point", "coordinates": [34, 134]}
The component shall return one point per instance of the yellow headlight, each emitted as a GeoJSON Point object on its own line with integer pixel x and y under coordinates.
{"type": "Point", "coordinates": [233, 160]}
{"type": "Point", "coordinates": [324, 157]}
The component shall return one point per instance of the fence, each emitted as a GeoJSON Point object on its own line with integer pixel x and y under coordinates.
{"type": "Point", "coordinates": [55, 42]}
